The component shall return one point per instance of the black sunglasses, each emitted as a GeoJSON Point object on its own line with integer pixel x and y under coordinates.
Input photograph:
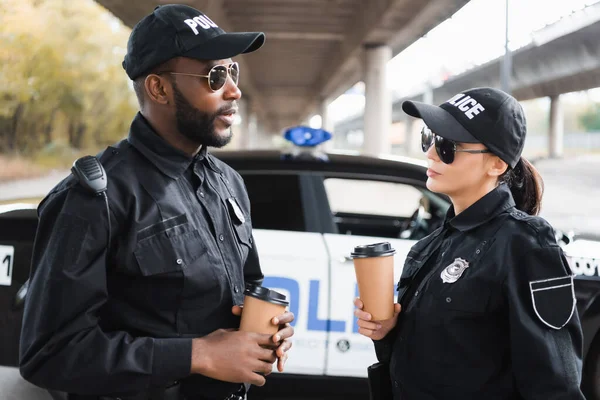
{"type": "Point", "coordinates": [445, 148]}
{"type": "Point", "coordinates": [217, 76]}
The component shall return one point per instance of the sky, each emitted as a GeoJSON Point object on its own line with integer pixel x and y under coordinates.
{"type": "Point", "coordinates": [472, 36]}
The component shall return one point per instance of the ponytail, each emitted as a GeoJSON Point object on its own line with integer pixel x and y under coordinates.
{"type": "Point", "coordinates": [526, 186]}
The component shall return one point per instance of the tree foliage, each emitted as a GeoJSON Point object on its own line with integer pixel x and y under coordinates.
{"type": "Point", "coordinates": [62, 79]}
{"type": "Point", "coordinates": [590, 119]}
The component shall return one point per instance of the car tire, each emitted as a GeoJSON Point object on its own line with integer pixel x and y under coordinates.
{"type": "Point", "coordinates": [591, 374]}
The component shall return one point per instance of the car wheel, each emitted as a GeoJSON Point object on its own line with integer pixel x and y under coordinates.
{"type": "Point", "coordinates": [591, 375]}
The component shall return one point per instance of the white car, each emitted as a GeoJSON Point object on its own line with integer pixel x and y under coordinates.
{"type": "Point", "coordinates": [308, 214]}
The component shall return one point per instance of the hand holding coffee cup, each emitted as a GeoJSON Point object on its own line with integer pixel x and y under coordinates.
{"type": "Point", "coordinates": [375, 330]}
{"type": "Point", "coordinates": [264, 311]}
{"type": "Point", "coordinates": [261, 305]}
{"type": "Point", "coordinates": [374, 268]}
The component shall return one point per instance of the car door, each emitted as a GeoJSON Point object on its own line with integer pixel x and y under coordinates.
{"type": "Point", "coordinates": [294, 260]}
{"type": "Point", "coordinates": [366, 211]}
{"type": "Point", "coordinates": [17, 230]}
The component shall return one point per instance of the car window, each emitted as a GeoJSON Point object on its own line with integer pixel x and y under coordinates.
{"type": "Point", "coordinates": [372, 197]}
{"type": "Point", "coordinates": [368, 207]}
{"type": "Point", "coordinates": [276, 201]}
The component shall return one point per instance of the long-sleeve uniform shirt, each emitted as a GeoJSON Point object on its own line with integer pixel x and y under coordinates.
{"type": "Point", "coordinates": [119, 320]}
{"type": "Point", "coordinates": [488, 311]}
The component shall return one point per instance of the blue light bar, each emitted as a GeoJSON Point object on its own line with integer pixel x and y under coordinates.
{"type": "Point", "coordinates": [305, 136]}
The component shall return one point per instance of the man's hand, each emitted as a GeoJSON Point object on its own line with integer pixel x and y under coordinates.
{"type": "Point", "coordinates": [280, 339]}
{"type": "Point", "coordinates": [233, 356]}
{"type": "Point", "coordinates": [285, 332]}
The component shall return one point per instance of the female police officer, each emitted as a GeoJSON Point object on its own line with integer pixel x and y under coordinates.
{"type": "Point", "coordinates": [486, 302]}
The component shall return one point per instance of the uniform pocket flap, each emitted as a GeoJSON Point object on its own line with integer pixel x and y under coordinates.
{"type": "Point", "coordinates": [553, 300]}
{"type": "Point", "coordinates": [244, 233]}
{"type": "Point", "coordinates": [473, 299]}
{"type": "Point", "coordinates": [159, 254]}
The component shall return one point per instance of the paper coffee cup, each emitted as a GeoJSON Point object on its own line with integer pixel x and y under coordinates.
{"type": "Point", "coordinates": [260, 306]}
{"type": "Point", "coordinates": [374, 268]}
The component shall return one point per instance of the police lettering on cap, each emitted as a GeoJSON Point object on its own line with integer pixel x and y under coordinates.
{"type": "Point", "coordinates": [480, 115]}
{"type": "Point", "coordinates": [177, 30]}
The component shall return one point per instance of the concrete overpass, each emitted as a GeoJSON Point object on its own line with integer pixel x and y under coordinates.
{"type": "Point", "coordinates": [315, 50]}
{"type": "Point", "coordinates": [563, 57]}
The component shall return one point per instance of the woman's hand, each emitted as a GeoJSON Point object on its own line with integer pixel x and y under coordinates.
{"type": "Point", "coordinates": [375, 330]}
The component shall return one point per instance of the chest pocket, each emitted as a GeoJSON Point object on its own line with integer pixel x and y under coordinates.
{"type": "Point", "coordinates": [165, 257]}
{"type": "Point", "coordinates": [468, 297]}
{"type": "Point", "coordinates": [241, 224]}
{"type": "Point", "coordinates": [164, 252]}
{"type": "Point", "coordinates": [411, 267]}
{"type": "Point", "coordinates": [416, 258]}
{"type": "Point", "coordinates": [469, 293]}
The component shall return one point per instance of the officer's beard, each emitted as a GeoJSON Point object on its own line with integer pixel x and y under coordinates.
{"type": "Point", "coordinates": [197, 125]}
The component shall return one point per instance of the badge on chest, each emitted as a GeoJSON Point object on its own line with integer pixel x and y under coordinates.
{"type": "Point", "coordinates": [454, 271]}
{"type": "Point", "coordinates": [235, 211]}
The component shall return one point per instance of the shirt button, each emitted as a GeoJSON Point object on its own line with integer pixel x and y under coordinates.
{"type": "Point", "coordinates": [443, 253]}
{"type": "Point", "coordinates": [236, 289]}
{"type": "Point", "coordinates": [478, 251]}
{"type": "Point", "coordinates": [221, 238]}
{"type": "Point", "coordinates": [250, 240]}
{"type": "Point", "coordinates": [416, 293]}
{"type": "Point", "coordinates": [179, 261]}
{"type": "Point", "coordinates": [396, 383]}
{"type": "Point", "coordinates": [201, 194]}
{"type": "Point", "coordinates": [448, 300]}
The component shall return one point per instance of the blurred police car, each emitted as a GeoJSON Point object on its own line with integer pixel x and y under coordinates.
{"type": "Point", "coordinates": [309, 210]}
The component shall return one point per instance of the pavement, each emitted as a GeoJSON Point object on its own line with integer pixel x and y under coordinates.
{"type": "Point", "coordinates": [16, 388]}
{"type": "Point", "coordinates": [572, 193]}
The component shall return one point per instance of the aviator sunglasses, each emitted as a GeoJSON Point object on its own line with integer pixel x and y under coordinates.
{"type": "Point", "coordinates": [445, 148]}
{"type": "Point", "coordinates": [217, 76]}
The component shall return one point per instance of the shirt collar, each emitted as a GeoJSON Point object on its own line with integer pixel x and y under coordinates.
{"type": "Point", "coordinates": [489, 206]}
{"type": "Point", "coordinates": [169, 160]}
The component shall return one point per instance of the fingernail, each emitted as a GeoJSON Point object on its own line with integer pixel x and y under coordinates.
{"type": "Point", "coordinates": [275, 321]}
{"type": "Point", "coordinates": [277, 337]}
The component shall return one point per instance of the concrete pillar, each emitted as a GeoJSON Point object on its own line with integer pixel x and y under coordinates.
{"type": "Point", "coordinates": [252, 132]}
{"type": "Point", "coordinates": [428, 95]}
{"type": "Point", "coordinates": [410, 139]}
{"type": "Point", "coordinates": [326, 124]}
{"type": "Point", "coordinates": [378, 101]}
{"type": "Point", "coordinates": [326, 121]}
{"type": "Point", "coordinates": [557, 128]}
{"type": "Point", "coordinates": [244, 132]}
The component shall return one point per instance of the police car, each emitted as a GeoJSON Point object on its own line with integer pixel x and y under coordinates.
{"type": "Point", "coordinates": [309, 210]}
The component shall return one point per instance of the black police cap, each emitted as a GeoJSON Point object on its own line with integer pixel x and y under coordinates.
{"type": "Point", "coordinates": [177, 30]}
{"type": "Point", "coordinates": [480, 115]}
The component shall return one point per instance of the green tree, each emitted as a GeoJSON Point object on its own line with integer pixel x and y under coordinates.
{"type": "Point", "coordinates": [63, 84]}
{"type": "Point", "coordinates": [590, 119]}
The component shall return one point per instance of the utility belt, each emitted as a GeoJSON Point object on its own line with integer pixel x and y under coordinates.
{"type": "Point", "coordinates": [172, 392]}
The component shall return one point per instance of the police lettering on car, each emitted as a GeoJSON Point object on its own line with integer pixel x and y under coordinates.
{"type": "Point", "coordinates": [486, 305]}
{"type": "Point", "coordinates": [142, 300]}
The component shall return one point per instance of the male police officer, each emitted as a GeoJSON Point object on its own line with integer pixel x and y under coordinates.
{"type": "Point", "coordinates": [137, 298]}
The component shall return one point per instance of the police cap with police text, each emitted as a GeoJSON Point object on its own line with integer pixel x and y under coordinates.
{"type": "Point", "coordinates": [480, 115]}
{"type": "Point", "coordinates": [176, 30]}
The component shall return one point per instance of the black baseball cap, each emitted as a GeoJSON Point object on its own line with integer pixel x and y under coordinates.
{"type": "Point", "coordinates": [480, 115]}
{"type": "Point", "coordinates": [177, 30]}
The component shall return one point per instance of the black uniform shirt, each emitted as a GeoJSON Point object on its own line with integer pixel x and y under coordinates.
{"type": "Point", "coordinates": [488, 311]}
{"type": "Point", "coordinates": [181, 252]}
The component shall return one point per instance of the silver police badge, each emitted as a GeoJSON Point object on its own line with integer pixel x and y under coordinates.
{"type": "Point", "coordinates": [452, 272]}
